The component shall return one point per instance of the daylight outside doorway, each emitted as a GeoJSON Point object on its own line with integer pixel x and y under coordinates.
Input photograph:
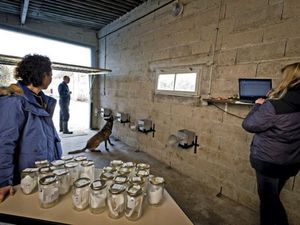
{"type": "Point", "coordinates": [19, 44]}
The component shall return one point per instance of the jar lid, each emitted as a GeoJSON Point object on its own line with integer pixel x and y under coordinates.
{"type": "Point", "coordinates": [98, 185]}
{"type": "Point", "coordinates": [67, 157]}
{"type": "Point", "coordinates": [60, 172]}
{"type": "Point", "coordinates": [142, 173]}
{"type": "Point", "coordinates": [120, 179]}
{"type": "Point", "coordinates": [41, 163]}
{"type": "Point", "coordinates": [136, 180]}
{"type": "Point", "coordinates": [128, 164]}
{"type": "Point", "coordinates": [107, 176]}
{"type": "Point", "coordinates": [45, 169]}
{"type": "Point", "coordinates": [124, 170]}
{"type": "Point", "coordinates": [109, 169]}
{"type": "Point", "coordinates": [117, 188]}
{"type": "Point", "coordinates": [71, 164]}
{"type": "Point", "coordinates": [134, 190]}
{"type": "Point", "coordinates": [116, 163]}
{"type": "Point", "coordinates": [29, 170]}
{"type": "Point", "coordinates": [58, 162]}
{"type": "Point", "coordinates": [80, 158]}
{"type": "Point", "coordinates": [82, 182]}
{"type": "Point", "coordinates": [48, 180]}
{"type": "Point", "coordinates": [87, 163]}
{"type": "Point", "coordinates": [143, 166]}
{"type": "Point", "coordinates": [157, 180]}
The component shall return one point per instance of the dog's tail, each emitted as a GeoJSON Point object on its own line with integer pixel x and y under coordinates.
{"type": "Point", "coordinates": [77, 151]}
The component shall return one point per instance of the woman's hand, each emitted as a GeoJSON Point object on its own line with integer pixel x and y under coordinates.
{"type": "Point", "coordinates": [260, 101]}
{"type": "Point", "coordinates": [4, 191]}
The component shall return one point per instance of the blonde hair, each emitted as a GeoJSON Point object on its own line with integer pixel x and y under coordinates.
{"type": "Point", "coordinates": [291, 77]}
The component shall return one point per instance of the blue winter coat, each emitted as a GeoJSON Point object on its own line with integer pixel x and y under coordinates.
{"type": "Point", "coordinates": [275, 148]}
{"type": "Point", "coordinates": [27, 134]}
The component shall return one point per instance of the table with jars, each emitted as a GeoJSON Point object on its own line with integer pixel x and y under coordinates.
{"type": "Point", "coordinates": [73, 191]}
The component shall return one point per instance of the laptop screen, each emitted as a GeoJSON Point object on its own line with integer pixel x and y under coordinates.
{"type": "Point", "coordinates": [252, 89]}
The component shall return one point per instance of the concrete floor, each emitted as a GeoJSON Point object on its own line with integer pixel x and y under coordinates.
{"type": "Point", "coordinates": [199, 203]}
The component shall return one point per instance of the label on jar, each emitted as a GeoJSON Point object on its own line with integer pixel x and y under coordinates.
{"type": "Point", "coordinates": [143, 173]}
{"type": "Point", "coordinates": [118, 187]}
{"type": "Point", "coordinates": [108, 175]}
{"type": "Point", "coordinates": [129, 164]}
{"type": "Point", "coordinates": [97, 184]}
{"type": "Point", "coordinates": [136, 179]}
{"type": "Point", "coordinates": [120, 179]}
{"type": "Point", "coordinates": [60, 172]}
{"type": "Point", "coordinates": [130, 202]}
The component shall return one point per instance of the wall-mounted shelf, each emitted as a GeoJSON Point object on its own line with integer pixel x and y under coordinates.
{"type": "Point", "coordinates": [226, 101]}
{"type": "Point", "coordinates": [148, 131]}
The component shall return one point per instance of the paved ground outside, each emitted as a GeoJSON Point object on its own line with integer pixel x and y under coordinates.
{"type": "Point", "coordinates": [79, 116]}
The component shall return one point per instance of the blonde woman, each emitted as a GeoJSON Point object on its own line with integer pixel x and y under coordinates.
{"type": "Point", "coordinates": [275, 148]}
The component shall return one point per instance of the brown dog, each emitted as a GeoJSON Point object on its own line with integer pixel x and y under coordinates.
{"type": "Point", "coordinates": [102, 135]}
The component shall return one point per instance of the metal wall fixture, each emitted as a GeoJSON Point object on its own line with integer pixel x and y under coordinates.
{"type": "Point", "coordinates": [185, 139]}
{"type": "Point", "coordinates": [105, 113]}
{"type": "Point", "coordinates": [123, 117]}
{"type": "Point", "coordinates": [146, 126]}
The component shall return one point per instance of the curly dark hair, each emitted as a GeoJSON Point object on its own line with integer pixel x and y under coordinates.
{"type": "Point", "coordinates": [32, 68]}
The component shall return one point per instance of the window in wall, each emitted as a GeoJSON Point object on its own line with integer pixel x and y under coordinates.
{"type": "Point", "coordinates": [178, 82]}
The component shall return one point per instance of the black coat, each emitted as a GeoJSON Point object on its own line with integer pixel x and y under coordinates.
{"type": "Point", "coordinates": [275, 148]}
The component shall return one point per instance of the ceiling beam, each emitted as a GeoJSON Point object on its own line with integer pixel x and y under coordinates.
{"type": "Point", "coordinates": [24, 11]}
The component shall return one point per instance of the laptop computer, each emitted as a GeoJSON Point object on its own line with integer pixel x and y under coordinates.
{"type": "Point", "coordinates": [251, 89]}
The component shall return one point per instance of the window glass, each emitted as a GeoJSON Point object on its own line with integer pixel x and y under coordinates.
{"type": "Point", "coordinates": [186, 82]}
{"type": "Point", "coordinates": [166, 82]}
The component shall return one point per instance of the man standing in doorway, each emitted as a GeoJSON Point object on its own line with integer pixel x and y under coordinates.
{"type": "Point", "coordinates": [64, 102]}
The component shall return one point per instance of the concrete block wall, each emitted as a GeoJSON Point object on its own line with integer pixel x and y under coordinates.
{"type": "Point", "coordinates": [230, 38]}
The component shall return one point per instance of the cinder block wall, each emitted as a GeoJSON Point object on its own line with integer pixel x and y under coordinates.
{"type": "Point", "coordinates": [231, 38]}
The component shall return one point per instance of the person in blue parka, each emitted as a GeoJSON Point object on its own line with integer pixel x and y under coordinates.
{"type": "Point", "coordinates": [27, 132]}
{"type": "Point", "coordinates": [64, 103]}
{"type": "Point", "coordinates": [275, 148]}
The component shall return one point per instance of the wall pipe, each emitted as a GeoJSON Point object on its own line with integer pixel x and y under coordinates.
{"type": "Point", "coordinates": [214, 50]}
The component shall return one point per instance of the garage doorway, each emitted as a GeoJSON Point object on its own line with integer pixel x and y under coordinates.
{"type": "Point", "coordinates": [19, 44]}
